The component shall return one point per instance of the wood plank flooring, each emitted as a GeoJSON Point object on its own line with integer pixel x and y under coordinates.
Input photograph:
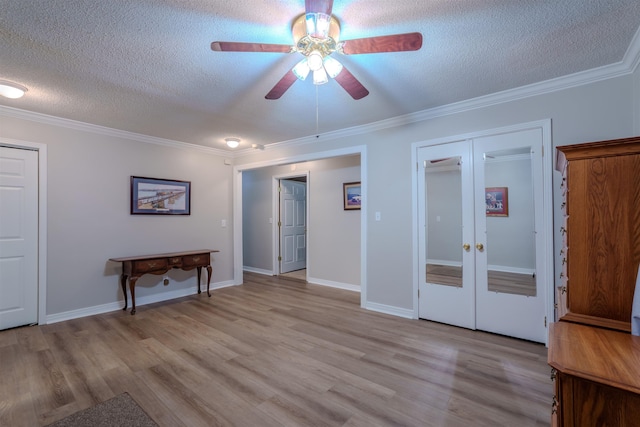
{"type": "Point", "coordinates": [273, 352]}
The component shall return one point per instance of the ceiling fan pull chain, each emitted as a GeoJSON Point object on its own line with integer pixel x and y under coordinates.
{"type": "Point", "coordinates": [317, 113]}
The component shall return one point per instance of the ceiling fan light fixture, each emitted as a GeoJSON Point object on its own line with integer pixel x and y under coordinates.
{"type": "Point", "coordinates": [333, 66]}
{"type": "Point", "coordinates": [11, 90]}
{"type": "Point", "coordinates": [320, 77]}
{"type": "Point", "coordinates": [232, 142]}
{"type": "Point", "coordinates": [314, 60]}
{"type": "Point", "coordinates": [301, 70]}
{"type": "Point", "coordinates": [318, 24]}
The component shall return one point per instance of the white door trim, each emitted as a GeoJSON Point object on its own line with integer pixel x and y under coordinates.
{"type": "Point", "coordinates": [275, 208]}
{"type": "Point", "coordinates": [42, 219]}
{"type": "Point", "coordinates": [548, 275]}
{"type": "Point", "coordinates": [237, 206]}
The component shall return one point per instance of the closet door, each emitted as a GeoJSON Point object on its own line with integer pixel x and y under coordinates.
{"type": "Point", "coordinates": [509, 239]}
{"type": "Point", "coordinates": [445, 212]}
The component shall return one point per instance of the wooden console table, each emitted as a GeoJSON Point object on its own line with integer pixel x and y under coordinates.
{"type": "Point", "coordinates": [136, 266]}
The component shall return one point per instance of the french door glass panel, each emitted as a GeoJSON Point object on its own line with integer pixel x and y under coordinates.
{"type": "Point", "coordinates": [446, 229]}
{"type": "Point", "coordinates": [508, 207]}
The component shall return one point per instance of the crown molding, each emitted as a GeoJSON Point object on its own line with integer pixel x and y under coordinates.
{"type": "Point", "coordinates": [627, 66]}
{"type": "Point", "coordinates": [103, 130]}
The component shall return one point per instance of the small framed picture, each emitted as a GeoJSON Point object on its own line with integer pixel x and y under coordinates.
{"type": "Point", "coordinates": [352, 194]}
{"type": "Point", "coordinates": [497, 201]}
{"type": "Point", "coordinates": [153, 196]}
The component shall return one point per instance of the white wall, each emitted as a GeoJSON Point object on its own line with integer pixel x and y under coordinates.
{"type": "Point", "coordinates": [333, 233]}
{"type": "Point", "coordinates": [89, 221]}
{"type": "Point", "coordinates": [591, 112]}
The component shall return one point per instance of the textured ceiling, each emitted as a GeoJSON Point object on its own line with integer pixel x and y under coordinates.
{"type": "Point", "coordinates": [146, 66]}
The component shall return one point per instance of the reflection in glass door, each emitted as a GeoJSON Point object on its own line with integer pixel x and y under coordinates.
{"type": "Point", "coordinates": [446, 217]}
{"type": "Point", "coordinates": [509, 249]}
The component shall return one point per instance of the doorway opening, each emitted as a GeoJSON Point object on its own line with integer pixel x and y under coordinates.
{"type": "Point", "coordinates": [256, 214]}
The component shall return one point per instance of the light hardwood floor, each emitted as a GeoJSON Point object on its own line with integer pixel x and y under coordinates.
{"type": "Point", "coordinates": [273, 352]}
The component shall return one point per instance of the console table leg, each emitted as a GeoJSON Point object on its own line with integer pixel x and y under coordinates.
{"type": "Point", "coordinates": [123, 283]}
{"type": "Point", "coordinates": [209, 269]}
{"type": "Point", "coordinates": [132, 289]}
{"type": "Point", "coordinates": [199, 274]}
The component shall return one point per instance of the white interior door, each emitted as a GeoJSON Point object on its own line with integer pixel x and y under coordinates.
{"type": "Point", "coordinates": [445, 211]}
{"type": "Point", "coordinates": [293, 225]}
{"type": "Point", "coordinates": [18, 237]}
{"type": "Point", "coordinates": [510, 250]}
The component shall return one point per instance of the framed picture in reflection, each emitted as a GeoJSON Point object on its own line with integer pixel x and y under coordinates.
{"type": "Point", "coordinates": [497, 201]}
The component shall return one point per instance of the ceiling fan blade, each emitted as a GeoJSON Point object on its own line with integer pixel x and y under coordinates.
{"type": "Point", "coordinates": [249, 47]}
{"type": "Point", "coordinates": [351, 84]}
{"type": "Point", "coordinates": [393, 43]}
{"type": "Point", "coordinates": [282, 86]}
{"type": "Point", "coordinates": [318, 6]}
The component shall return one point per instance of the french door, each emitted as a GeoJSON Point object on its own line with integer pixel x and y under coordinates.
{"type": "Point", "coordinates": [481, 234]}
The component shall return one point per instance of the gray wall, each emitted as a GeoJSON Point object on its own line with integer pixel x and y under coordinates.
{"type": "Point", "coordinates": [333, 233]}
{"type": "Point", "coordinates": [444, 215]}
{"type": "Point", "coordinates": [88, 213]}
{"type": "Point", "coordinates": [511, 238]}
{"type": "Point", "coordinates": [86, 228]}
{"type": "Point", "coordinates": [596, 111]}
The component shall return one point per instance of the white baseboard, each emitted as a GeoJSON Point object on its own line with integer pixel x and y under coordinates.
{"type": "Point", "coordinates": [140, 301]}
{"type": "Point", "coordinates": [501, 268]}
{"type": "Point", "coordinates": [444, 262]}
{"type": "Point", "coordinates": [507, 269]}
{"type": "Point", "coordinates": [388, 309]}
{"type": "Point", "coordinates": [257, 270]}
{"type": "Point", "coordinates": [339, 285]}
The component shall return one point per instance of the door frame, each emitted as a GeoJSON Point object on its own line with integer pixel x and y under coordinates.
{"type": "Point", "coordinates": [42, 218]}
{"type": "Point", "coordinates": [276, 214]}
{"type": "Point", "coordinates": [547, 164]}
{"type": "Point", "coordinates": [361, 150]}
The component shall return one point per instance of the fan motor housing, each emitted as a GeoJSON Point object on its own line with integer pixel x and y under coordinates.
{"type": "Point", "coordinates": [305, 44]}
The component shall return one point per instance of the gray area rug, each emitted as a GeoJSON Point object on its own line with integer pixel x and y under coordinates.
{"type": "Point", "coordinates": [119, 411]}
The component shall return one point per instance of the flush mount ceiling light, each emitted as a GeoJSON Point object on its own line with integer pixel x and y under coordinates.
{"type": "Point", "coordinates": [11, 90]}
{"type": "Point", "coordinates": [232, 142]}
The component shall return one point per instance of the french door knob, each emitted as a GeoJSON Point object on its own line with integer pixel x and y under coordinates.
{"type": "Point", "coordinates": [479, 246]}
{"type": "Point", "coordinates": [466, 247]}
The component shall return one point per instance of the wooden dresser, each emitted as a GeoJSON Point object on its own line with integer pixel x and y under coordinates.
{"type": "Point", "coordinates": [136, 266]}
{"type": "Point", "coordinates": [596, 361]}
{"type": "Point", "coordinates": [597, 376]}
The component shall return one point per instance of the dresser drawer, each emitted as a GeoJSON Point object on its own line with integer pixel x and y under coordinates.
{"type": "Point", "coordinates": [150, 266]}
{"type": "Point", "coordinates": [199, 260]}
{"type": "Point", "coordinates": [175, 261]}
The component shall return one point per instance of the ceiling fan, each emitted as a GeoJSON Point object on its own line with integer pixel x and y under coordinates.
{"type": "Point", "coordinates": [316, 35]}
